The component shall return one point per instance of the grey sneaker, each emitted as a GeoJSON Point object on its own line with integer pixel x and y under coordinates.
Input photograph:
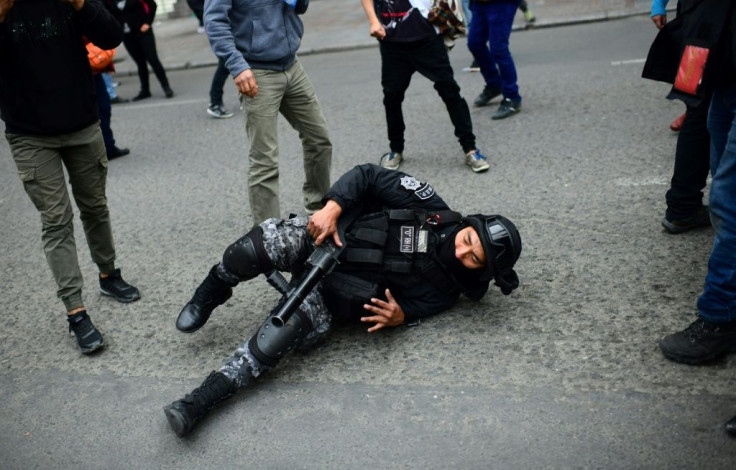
{"type": "Point", "coordinates": [219, 111]}
{"type": "Point", "coordinates": [477, 161]}
{"type": "Point", "coordinates": [392, 160]}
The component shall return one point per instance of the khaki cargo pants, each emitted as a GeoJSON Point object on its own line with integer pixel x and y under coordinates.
{"type": "Point", "coordinates": [41, 161]}
{"type": "Point", "coordinates": [291, 94]}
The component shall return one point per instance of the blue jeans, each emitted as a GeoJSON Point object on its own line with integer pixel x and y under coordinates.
{"type": "Point", "coordinates": [492, 24]}
{"type": "Point", "coordinates": [467, 13]}
{"type": "Point", "coordinates": [717, 303]}
{"type": "Point", "coordinates": [108, 84]}
{"type": "Point", "coordinates": [104, 110]}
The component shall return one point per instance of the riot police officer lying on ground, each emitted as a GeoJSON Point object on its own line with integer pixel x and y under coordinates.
{"type": "Point", "coordinates": [406, 256]}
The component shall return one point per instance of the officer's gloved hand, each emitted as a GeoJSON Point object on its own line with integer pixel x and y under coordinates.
{"type": "Point", "coordinates": [299, 6]}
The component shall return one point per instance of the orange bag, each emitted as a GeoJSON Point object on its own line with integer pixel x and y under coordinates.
{"type": "Point", "coordinates": [99, 59]}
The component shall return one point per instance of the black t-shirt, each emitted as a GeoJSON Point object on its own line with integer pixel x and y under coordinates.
{"type": "Point", "coordinates": [402, 21]}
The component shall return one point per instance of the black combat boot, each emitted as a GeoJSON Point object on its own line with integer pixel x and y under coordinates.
{"type": "Point", "coordinates": [183, 414]}
{"type": "Point", "coordinates": [731, 426]}
{"type": "Point", "coordinates": [212, 292]}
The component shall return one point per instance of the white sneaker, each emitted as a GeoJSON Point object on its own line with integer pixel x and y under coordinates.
{"type": "Point", "coordinates": [476, 161]}
{"type": "Point", "coordinates": [391, 160]}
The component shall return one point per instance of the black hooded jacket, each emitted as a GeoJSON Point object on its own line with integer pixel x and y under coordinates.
{"type": "Point", "coordinates": [46, 85]}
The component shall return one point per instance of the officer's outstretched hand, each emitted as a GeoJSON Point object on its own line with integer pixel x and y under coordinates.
{"type": "Point", "coordinates": [386, 313]}
{"type": "Point", "coordinates": [323, 223]}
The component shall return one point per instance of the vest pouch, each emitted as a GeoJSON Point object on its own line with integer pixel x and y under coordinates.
{"type": "Point", "coordinates": [345, 295]}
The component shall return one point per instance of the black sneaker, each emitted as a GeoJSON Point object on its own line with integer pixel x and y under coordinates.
{"type": "Point", "coordinates": [486, 96]}
{"type": "Point", "coordinates": [142, 95]}
{"type": "Point", "coordinates": [508, 107]}
{"type": "Point", "coordinates": [168, 92]}
{"type": "Point", "coordinates": [700, 219]}
{"type": "Point", "coordinates": [115, 152]}
{"type": "Point", "coordinates": [114, 286]}
{"type": "Point", "coordinates": [700, 342]}
{"type": "Point", "coordinates": [88, 338]}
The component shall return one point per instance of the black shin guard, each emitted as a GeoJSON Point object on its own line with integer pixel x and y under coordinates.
{"type": "Point", "coordinates": [272, 342]}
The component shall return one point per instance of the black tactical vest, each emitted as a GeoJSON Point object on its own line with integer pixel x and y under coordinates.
{"type": "Point", "coordinates": [394, 247]}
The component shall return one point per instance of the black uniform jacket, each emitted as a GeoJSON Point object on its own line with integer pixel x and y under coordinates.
{"type": "Point", "coordinates": [373, 189]}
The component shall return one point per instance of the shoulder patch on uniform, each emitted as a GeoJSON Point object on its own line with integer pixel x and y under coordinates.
{"type": "Point", "coordinates": [410, 183]}
{"type": "Point", "coordinates": [421, 190]}
{"type": "Point", "coordinates": [425, 192]}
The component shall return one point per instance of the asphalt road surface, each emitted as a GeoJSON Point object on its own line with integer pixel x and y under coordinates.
{"type": "Point", "coordinates": [565, 373]}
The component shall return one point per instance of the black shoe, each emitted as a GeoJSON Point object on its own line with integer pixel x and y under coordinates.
{"type": "Point", "coordinates": [700, 342]}
{"type": "Point", "coordinates": [116, 152]}
{"type": "Point", "coordinates": [486, 96]}
{"type": "Point", "coordinates": [168, 92]}
{"type": "Point", "coordinates": [508, 107]}
{"type": "Point", "coordinates": [700, 219]}
{"type": "Point", "coordinates": [114, 286]}
{"type": "Point", "coordinates": [212, 292]}
{"type": "Point", "coordinates": [183, 414]}
{"type": "Point", "coordinates": [118, 100]}
{"type": "Point", "coordinates": [142, 95]}
{"type": "Point", "coordinates": [88, 338]}
{"type": "Point", "coordinates": [731, 426]}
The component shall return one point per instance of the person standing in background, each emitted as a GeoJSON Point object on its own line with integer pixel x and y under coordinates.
{"type": "Point", "coordinates": [137, 16]}
{"type": "Point", "coordinates": [216, 107]}
{"type": "Point", "coordinates": [488, 41]}
{"type": "Point", "coordinates": [409, 43]}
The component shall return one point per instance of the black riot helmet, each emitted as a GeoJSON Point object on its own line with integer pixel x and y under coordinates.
{"type": "Point", "coordinates": [502, 246]}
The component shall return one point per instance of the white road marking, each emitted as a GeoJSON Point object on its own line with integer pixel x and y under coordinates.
{"type": "Point", "coordinates": [157, 104]}
{"type": "Point", "coordinates": [616, 63]}
{"type": "Point", "coordinates": [651, 181]}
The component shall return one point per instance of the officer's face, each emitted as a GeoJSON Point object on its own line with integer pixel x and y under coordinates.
{"type": "Point", "coordinates": [469, 250]}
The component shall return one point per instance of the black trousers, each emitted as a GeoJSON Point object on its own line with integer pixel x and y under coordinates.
{"type": "Point", "coordinates": [692, 163]}
{"type": "Point", "coordinates": [142, 48]}
{"type": "Point", "coordinates": [197, 7]}
{"type": "Point", "coordinates": [429, 57]}
{"type": "Point", "coordinates": [218, 82]}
